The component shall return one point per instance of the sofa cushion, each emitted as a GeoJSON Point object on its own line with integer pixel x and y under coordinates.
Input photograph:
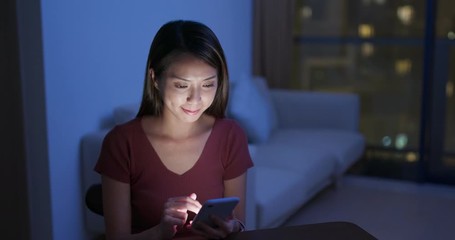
{"type": "Point", "coordinates": [280, 193]}
{"type": "Point", "coordinates": [346, 146]}
{"type": "Point", "coordinates": [274, 186]}
{"type": "Point", "coordinates": [251, 106]}
{"type": "Point", "coordinates": [283, 171]}
{"type": "Point", "coordinates": [302, 159]}
{"type": "Point", "coordinates": [315, 110]}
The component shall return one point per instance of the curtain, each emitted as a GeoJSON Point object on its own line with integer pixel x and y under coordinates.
{"type": "Point", "coordinates": [273, 23]}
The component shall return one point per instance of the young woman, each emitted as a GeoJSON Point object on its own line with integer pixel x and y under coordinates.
{"type": "Point", "coordinates": [180, 150]}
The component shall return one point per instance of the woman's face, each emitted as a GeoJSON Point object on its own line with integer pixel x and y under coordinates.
{"type": "Point", "coordinates": [189, 87]}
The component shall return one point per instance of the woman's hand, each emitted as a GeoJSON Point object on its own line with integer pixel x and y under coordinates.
{"type": "Point", "coordinates": [175, 214]}
{"type": "Point", "coordinates": [222, 230]}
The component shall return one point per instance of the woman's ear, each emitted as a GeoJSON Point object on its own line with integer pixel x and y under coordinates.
{"type": "Point", "coordinates": [152, 77]}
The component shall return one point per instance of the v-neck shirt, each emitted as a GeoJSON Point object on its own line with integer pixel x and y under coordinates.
{"type": "Point", "coordinates": [128, 156]}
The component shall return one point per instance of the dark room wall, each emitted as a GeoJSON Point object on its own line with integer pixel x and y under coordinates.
{"type": "Point", "coordinates": [24, 175]}
{"type": "Point", "coordinates": [14, 220]}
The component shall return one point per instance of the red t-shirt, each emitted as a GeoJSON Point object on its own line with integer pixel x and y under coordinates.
{"type": "Point", "coordinates": [127, 156]}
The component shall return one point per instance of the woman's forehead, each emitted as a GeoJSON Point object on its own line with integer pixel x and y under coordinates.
{"type": "Point", "coordinates": [188, 67]}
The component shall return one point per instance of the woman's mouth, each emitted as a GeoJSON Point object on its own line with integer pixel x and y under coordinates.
{"type": "Point", "coordinates": [190, 112]}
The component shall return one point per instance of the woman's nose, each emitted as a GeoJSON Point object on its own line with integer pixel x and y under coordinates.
{"type": "Point", "coordinates": [194, 95]}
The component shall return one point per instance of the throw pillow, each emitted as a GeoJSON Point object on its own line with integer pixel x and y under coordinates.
{"type": "Point", "coordinates": [252, 108]}
{"type": "Point", "coordinates": [265, 91]}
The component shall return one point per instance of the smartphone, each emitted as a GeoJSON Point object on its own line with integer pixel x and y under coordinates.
{"type": "Point", "coordinates": [221, 207]}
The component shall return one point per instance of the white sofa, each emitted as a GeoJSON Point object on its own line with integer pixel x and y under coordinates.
{"type": "Point", "coordinates": [300, 142]}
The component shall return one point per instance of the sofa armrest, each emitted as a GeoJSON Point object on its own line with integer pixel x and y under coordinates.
{"type": "Point", "coordinates": [250, 198]}
{"type": "Point", "coordinates": [302, 109]}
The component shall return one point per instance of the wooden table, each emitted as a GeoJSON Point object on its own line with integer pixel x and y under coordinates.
{"type": "Point", "coordinates": [326, 231]}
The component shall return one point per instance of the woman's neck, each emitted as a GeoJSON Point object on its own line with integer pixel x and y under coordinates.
{"type": "Point", "coordinates": [171, 128]}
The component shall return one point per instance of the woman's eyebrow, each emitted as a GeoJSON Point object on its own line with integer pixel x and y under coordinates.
{"type": "Point", "coordinates": [184, 79]}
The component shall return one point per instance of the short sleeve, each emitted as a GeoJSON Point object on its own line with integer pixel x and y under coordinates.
{"type": "Point", "coordinates": [114, 160]}
{"type": "Point", "coordinates": [238, 158]}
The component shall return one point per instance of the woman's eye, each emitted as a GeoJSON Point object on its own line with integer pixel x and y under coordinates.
{"type": "Point", "coordinates": [180, 86]}
{"type": "Point", "coordinates": [208, 85]}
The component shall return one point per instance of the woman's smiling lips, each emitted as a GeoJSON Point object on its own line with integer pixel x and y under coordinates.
{"type": "Point", "coordinates": [190, 112]}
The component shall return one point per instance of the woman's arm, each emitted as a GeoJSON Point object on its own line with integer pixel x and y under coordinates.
{"type": "Point", "coordinates": [236, 187]}
{"type": "Point", "coordinates": [117, 212]}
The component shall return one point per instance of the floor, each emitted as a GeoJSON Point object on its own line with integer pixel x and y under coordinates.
{"type": "Point", "coordinates": [387, 209]}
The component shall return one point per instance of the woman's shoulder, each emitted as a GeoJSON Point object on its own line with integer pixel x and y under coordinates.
{"type": "Point", "coordinates": [228, 124]}
{"type": "Point", "coordinates": [126, 128]}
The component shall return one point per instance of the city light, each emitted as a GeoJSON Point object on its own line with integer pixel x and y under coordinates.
{"type": "Point", "coordinates": [411, 157]}
{"type": "Point", "coordinates": [387, 141]}
{"type": "Point", "coordinates": [366, 30]}
{"type": "Point", "coordinates": [449, 89]}
{"type": "Point", "coordinates": [405, 14]}
{"type": "Point", "coordinates": [451, 35]}
{"type": "Point", "coordinates": [367, 49]}
{"type": "Point", "coordinates": [403, 66]}
{"type": "Point", "coordinates": [306, 12]}
{"type": "Point", "coordinates": [401, 141]}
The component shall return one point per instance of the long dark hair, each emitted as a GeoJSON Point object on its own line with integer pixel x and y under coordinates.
{"type": "Point", "coordinates": [184, 37]}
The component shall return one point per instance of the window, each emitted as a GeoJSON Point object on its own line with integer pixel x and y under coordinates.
{"type": "Point", "coordinates": [377, 49]}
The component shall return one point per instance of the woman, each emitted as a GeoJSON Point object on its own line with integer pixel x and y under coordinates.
{"type": "Point", "coordinates": [180, 150]}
